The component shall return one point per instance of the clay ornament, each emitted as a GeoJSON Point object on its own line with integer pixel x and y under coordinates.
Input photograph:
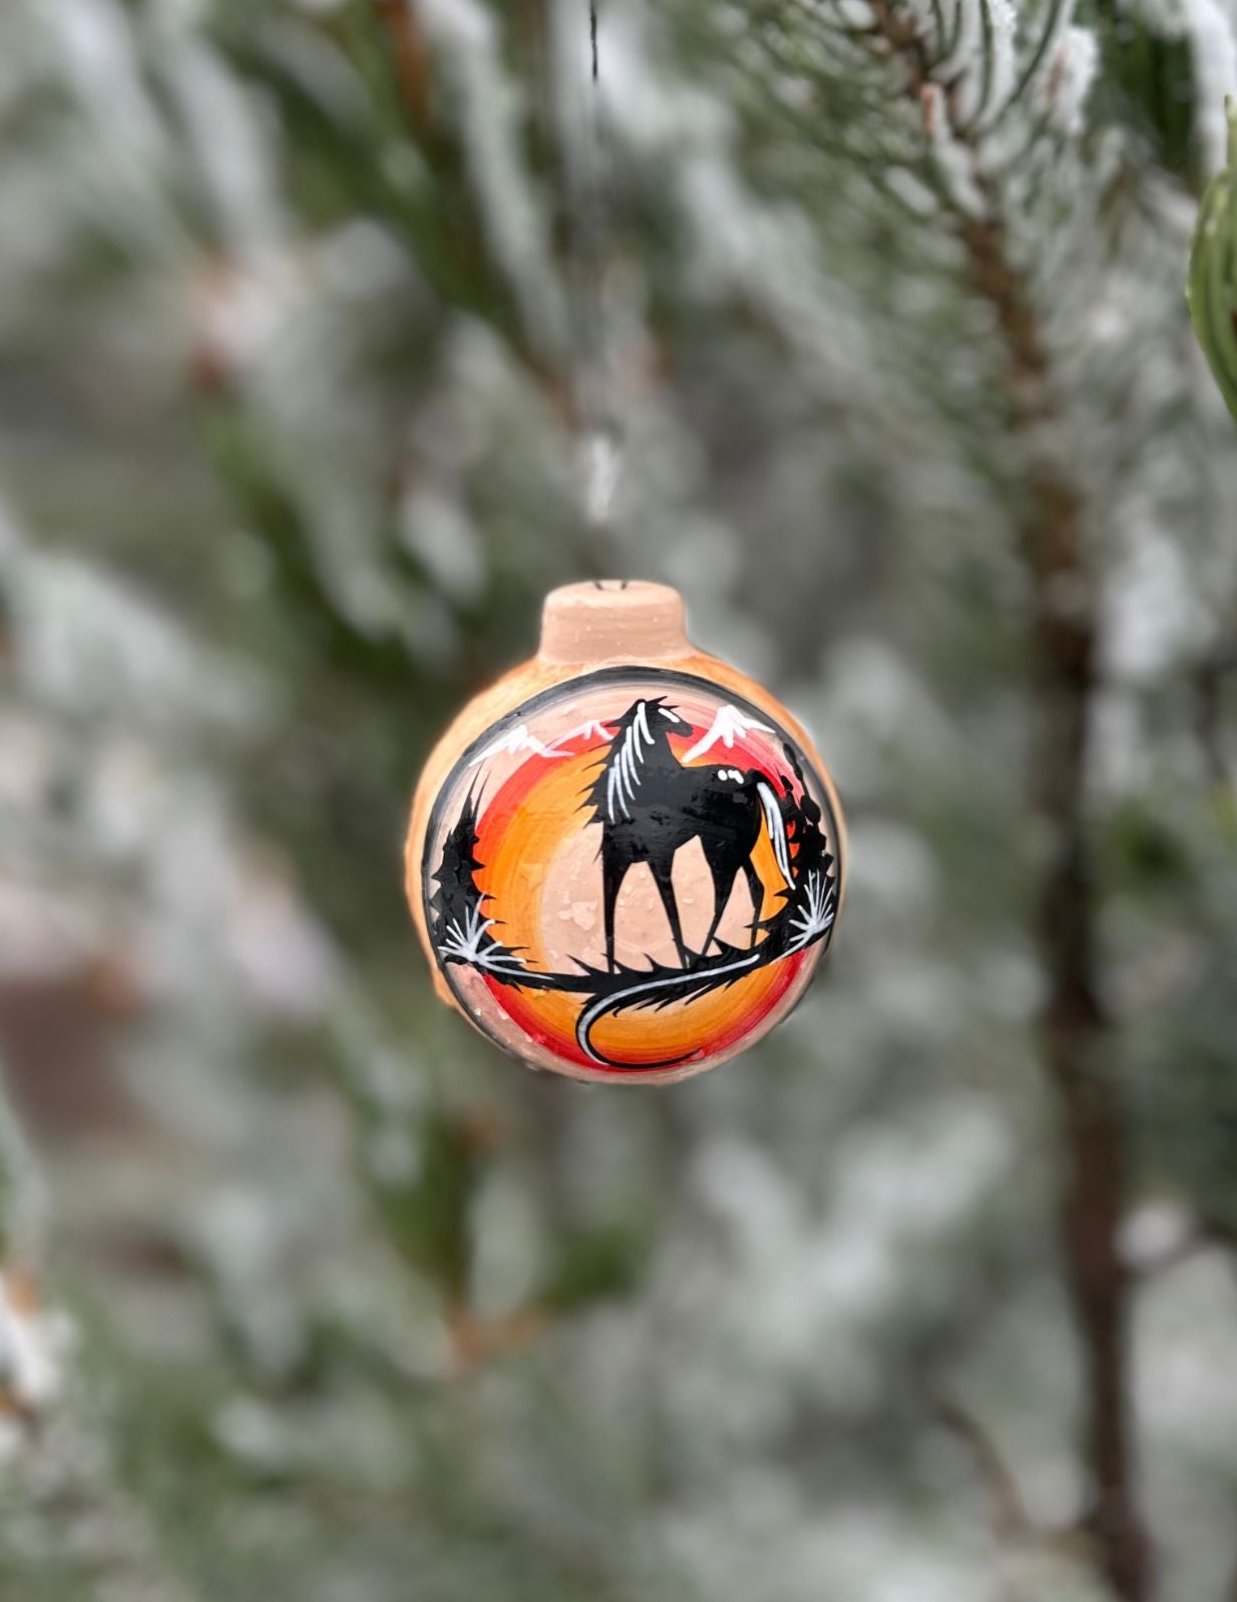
{"type": "Point", "coordinates": [625, 860]}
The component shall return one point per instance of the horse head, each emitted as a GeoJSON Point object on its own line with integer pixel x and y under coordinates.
{"type": "Point", "coordinates": [651, 717]}
{"type": "Point", "coordinates": [640, 742]}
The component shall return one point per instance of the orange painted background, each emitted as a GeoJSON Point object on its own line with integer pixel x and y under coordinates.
{"type": "Point", "coordinates": [538, 852]}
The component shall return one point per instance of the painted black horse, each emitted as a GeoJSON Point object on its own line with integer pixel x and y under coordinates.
{"type": "Point", "coordinates": [649, 805]}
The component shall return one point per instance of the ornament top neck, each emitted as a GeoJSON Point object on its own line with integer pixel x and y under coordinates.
{"type": "Point", "coordinates": [613, 619]}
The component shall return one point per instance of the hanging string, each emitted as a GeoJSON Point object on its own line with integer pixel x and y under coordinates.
{"type": "Point", "coordinates": [598, 421]}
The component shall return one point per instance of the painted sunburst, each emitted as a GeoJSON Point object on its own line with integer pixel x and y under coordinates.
{"type": "Point", "coordinates": [632, 873]}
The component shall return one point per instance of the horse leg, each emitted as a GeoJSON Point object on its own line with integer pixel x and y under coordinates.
{"type": "Point", "coordinates": [662, 871]}
{"type": "Point", "coordinates": [756, 890]}
{"type": "Point", "coordinates": [613, 871]}
{"type": "Point", "coordinates": [723, 884]}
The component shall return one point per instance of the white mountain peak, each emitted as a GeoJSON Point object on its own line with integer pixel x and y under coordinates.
{"type": "Point", "coordinates": [726, 727]}
{"type": "Point", "coordinates": [593, 732]}
{"type": "Point", "coordinates": [516, 739]}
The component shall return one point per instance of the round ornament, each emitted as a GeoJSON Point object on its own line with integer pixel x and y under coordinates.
{"type": "Point", "coordinates": [625, 860]}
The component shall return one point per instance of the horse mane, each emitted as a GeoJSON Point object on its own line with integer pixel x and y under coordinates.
{"type": "Point", "coordinates": [614, 790]}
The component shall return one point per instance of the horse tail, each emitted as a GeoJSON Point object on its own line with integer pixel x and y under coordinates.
{"type": "Point", "coordinates": [776, 825]}
{"type": "Point", "coordinates": [655, 992]}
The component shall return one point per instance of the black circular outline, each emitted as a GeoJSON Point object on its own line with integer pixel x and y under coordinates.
{"type": "Point", "coordinates": [589, 681]}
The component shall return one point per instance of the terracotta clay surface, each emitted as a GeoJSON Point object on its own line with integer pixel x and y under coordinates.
{"type": "Point", "coordinates": [625, 859]}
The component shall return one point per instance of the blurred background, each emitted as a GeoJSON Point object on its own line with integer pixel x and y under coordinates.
{"type": "Point", "coordinates": [329, 329]}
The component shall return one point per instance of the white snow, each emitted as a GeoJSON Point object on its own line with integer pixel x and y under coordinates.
{"type": "Point", "coordinates": [728, 726]}
{"type": "Point", "coordinates": [594, 732]}
{"type": "Point", "coordinates": [515, 740]}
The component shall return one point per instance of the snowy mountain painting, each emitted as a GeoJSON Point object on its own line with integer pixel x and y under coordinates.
{"type": "Point", "coordinates": [514, 741]}
{"type": "Point", "coordinates": [728, 726]}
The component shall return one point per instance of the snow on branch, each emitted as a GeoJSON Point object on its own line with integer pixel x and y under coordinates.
{"type": "Point", "coordinates": [487, 103]}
